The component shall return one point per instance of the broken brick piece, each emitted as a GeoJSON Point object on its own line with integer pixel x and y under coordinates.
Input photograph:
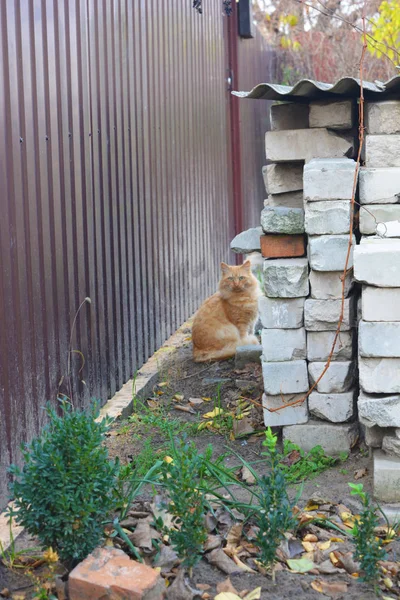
{"type": "Point", "coordinates": [110, 573]}
{"type": "Point", "coordinates": [282, 246]}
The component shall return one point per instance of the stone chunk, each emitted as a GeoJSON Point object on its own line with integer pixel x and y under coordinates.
{"type": "Point", "coordinates": [289, 116]}
{"type": "Point", "coordinates": [380, 304]}
{"type": "Point", "coordinates": [281, 313]}
{"type": "Point", "coordinates": [281, 178]}
{"type": "Point", "coordinates": [328, 285]}
{"type": "Point", "coordinates": [323, 315]}
{"type": "Point", "coordinates": [283, 344]}
{"type": "Point", "coordinates": [391, 445]}
{"type": "Point", "coordinates": [332, 114]}
{"type": "Point", "coordinates": [328, 217]}
{"type": "Point", "coordinates": [328, 252]}
{"type": "Point", "coordinates": [381, 213]}
{"type": "Point", "coordinates": [382, 151]}
{"type": "Point", "coordinates": [286, 278]}
{"type": "Point", "coordinates": [285, 377]}
{"type": "Point", "coordinates": [247, 241]}
{"type": "Point", "coordinates": [383, 117]}
{"type": "Point", "coordinates": [379, 340]}
{"type": "Point", "coordinates": [377, 262]}
{"type": "Point", "coordinates": [247, 354]}
{"type": "Point", "coordinates": [333, 438]}
{"type": "Point", "coordinates": [319, 345]}
{"type": "Point", "coordinates": [292, 415]}
{"type": "Point", "coordinates": [329, 179]}
{"type": "Point", "coordinates": [335, 408]}
{"type": "Point", "coordinates": [305, 144]}
{"type": "Point", "coordinates": [373, 436]}
{"type": "Point", "coordinates": [386, 477]}
{"type": "Point", "coordinates": [379, 410]}
{"type": "Point", "coordinates": [379, 186]}
{"type": "Point", "coordinates": [110, 573]}
{"type": "Point", "coordinates": [288, 199]}
{"type": "Point", "coordinates": [338, 378]}
{"type": "Point", "coordinates": [379, 375]}
{"type": "Point", "coordinates": [280, 219]}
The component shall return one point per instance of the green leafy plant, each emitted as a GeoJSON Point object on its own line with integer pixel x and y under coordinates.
{"type": "Point", "coordinates": [297, 465]}
{"type": "Point", "coordinates": [66, 487]}
{"type": "Point", "coordinates": [275, 515]}
{"type": "Point", "coordinates": [182, 475]}
{"type": "Point", "coordinates": [368, 548]}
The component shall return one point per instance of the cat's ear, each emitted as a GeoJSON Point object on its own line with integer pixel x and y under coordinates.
{"type": "Point", "coordinates": [247, 265]}
{"type": "Point", "coordinates": [224, 268]}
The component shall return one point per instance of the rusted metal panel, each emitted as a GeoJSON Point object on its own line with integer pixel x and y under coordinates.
{"type": "Point", "coordinates": [114, 178]}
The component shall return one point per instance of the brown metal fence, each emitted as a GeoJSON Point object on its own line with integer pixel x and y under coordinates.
{"type": "Point", "coordinates": [115, 184]}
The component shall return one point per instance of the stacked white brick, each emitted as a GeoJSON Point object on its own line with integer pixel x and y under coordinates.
{"type": "Point", "coordinates": [377, 266]}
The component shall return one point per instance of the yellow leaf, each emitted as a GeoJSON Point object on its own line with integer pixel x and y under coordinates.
{"type": "Point", "coordinates": [292, 20]}
{"type": "Point", "coordinates": [333, 558]}
{"type": "Point", "coordinates": [168, 459]}
{"type": "Point", "coordinates": [202, 426]}
{"type": "Point", "coordinates": [254, 595]}
{"type": "Point", "coordinates": [300, 565]}
{"type": "Point", "coordinates": [317, 586]}
{"type": "Point", "coordinates": [162, 384]}
{"type": "Point", "coordinates": [206, 399]}
{"type": "Point", "coordinates": [308, 546]}
{"type": "Point", "coordinates": [214, 413]}
{"type": "Point", "coordinates": [324, 545]}
{"type": "Point", "coordinates": [337, 539]}
{"type": "Point", "coordinates": [227, 596]}
{"type": "Point", "coordinates": [242, 566]}
{"type": "Point", "coordinates": [310, 507]}
{"type": "Point", "coordinates": [388, 583]}
{"type": "Point", "coordinates": [179, 397]}
{"type": "Point", "coordinates": [310, 537]}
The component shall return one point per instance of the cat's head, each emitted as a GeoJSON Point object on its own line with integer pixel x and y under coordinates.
{"type": "Point", "coordinates": [237, 279]}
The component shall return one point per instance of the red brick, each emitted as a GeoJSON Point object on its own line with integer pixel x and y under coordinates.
{"type": "Point", "coordinates": [109, 573]}
{"type": "Point", "coordinates": [282, 246]}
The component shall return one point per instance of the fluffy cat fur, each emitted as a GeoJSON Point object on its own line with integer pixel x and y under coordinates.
{"type": "Point", "coordinates": [226, 319]}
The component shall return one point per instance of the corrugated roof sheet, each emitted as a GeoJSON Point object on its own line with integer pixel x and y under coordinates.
{"type": "Point", "coordinates": [306, 90]}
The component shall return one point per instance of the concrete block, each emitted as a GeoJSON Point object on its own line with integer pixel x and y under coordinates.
{"type": "Point", "coordinates": [328, 252]}
{"type": "Point", "coordinates": [328, 179]}
{"type": "Point", "coordinates": [286, 278]}
{"type": "Point", "coordinates": [247, 354]}
{"type": "Point", "coordinates": [382, 151]}
{"type": "Point", "coordinates": [336, 408]}
{"type": "Point", "coordinates": [379, 410]}
{"type": "Point", "coordinates": [328, 285]}
{"type": "Point", "coordinates": [334, 438]}
{"type": "Point", "coordinates": [380, 304]}
{"type": "Point", "coordinates": [379, 339]}
{"type": "Point", "coordinates": [281, 313]}
{"type": "Point", "coordinates": [323, 315]}
{"type": "Point", "coordinates": [377, 262]}
{"type": "Point", "coordinates": [379, 186]}
{"type": "Point", "coordinates": [281, 178]}
{"type": "Point", "coordinates": [291, 415]}
{"type": "Point", "coordinates": [281, 219]}
{"type": "Point", "coordinates": [247, 241]}
{"type": "Point", "coordinates": [373, 436]}
{"type": "Point", "coordinates": [381, 213]}
{"type": "Point", "coordinates": [382, 117]}
{"type": "Point", "coordinates": [379, 375]}
{"type": "Point", "coordinates": [285, 377]}
{"type": "Point", "coordinates": [332, 114]}
{"type": "Point", "coordinates": [339, 378]}
{"type": "Point", "coordinates": [319, 345]}
{"type": "Point", "coordinates": [289, 116]}
{"type": "Point", "coordinates": [287, 199]}
{"type": "Point", "coordinates": [391, 445]}
{"type": "Point", "coordinates": [305, 144]}
{"type": "Point", "coordinates": [386, 477]}
{"type": "Point", "coordinates": [110, 573]}
{"type": "Point", "coordinates": [283, 344]}
{"type": "Point", "coordinates": [328, 217]}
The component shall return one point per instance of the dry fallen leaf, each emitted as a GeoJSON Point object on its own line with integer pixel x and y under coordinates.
{"type": "Point", "coordinates": [142, 535]}
{"type": "Point", "coordinates": [300, 565]}
{"type": "Point", "coordinates": [310, 537]}
{"type": "Point", "coordinates": [203, 586]}
{"type": "Point", "coordinates": [196, 401]}
{"type": "Point", "coordinates": [234, 534]}
{"type": "Point", "coordinates": [333, 589]}
{"type": "Point", "coordinates": [254, 595]}
{"type": "Point", "coordinates": [242, 565]}
{"type": "Point", "coordinates": [219, 559]}
{"type": "Point", "coordinates": [214, 413]}
{"type": "Point", "coordinates": [187, 409]}
{"type": "Point", "coordinates": [181, 589]}
{"type": "Point", "coordinates": [226, 586]}
{"type": "Point", "coordinates": [360, 473]}
{"type": "Point", "coordinates": [247, 475]}
{"type": "Point", "coordinates": [178, 397]}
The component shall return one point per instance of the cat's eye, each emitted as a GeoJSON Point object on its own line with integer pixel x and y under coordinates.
{"type": "Point", "coordinates": [231, 278]}
{"type": "Point", "coordinates": [241, 277]}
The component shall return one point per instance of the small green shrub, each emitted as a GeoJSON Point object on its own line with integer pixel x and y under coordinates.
{"type": "Point", "coordinates": [368, 548]}
{"type": "Point", "coordinates": [65, 489]}
{"type": "Point", "coordinates": [307, 464]}
{"type": "Point", "coordinates": [275, 515]}
{"type": "Point", "coordinates": [183, 479]}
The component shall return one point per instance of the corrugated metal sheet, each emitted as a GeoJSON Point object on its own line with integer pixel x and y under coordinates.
{"type": "Point", "coordinates": [115, 179]}
{"type": "Point", "coordinates": [307, 89]}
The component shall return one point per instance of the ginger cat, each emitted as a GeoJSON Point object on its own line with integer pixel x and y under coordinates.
{"type": "Point", "coordinates": [226, 319]}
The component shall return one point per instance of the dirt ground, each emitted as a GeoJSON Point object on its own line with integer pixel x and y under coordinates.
{"type": "Point", "coordinates": [184, 393]}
